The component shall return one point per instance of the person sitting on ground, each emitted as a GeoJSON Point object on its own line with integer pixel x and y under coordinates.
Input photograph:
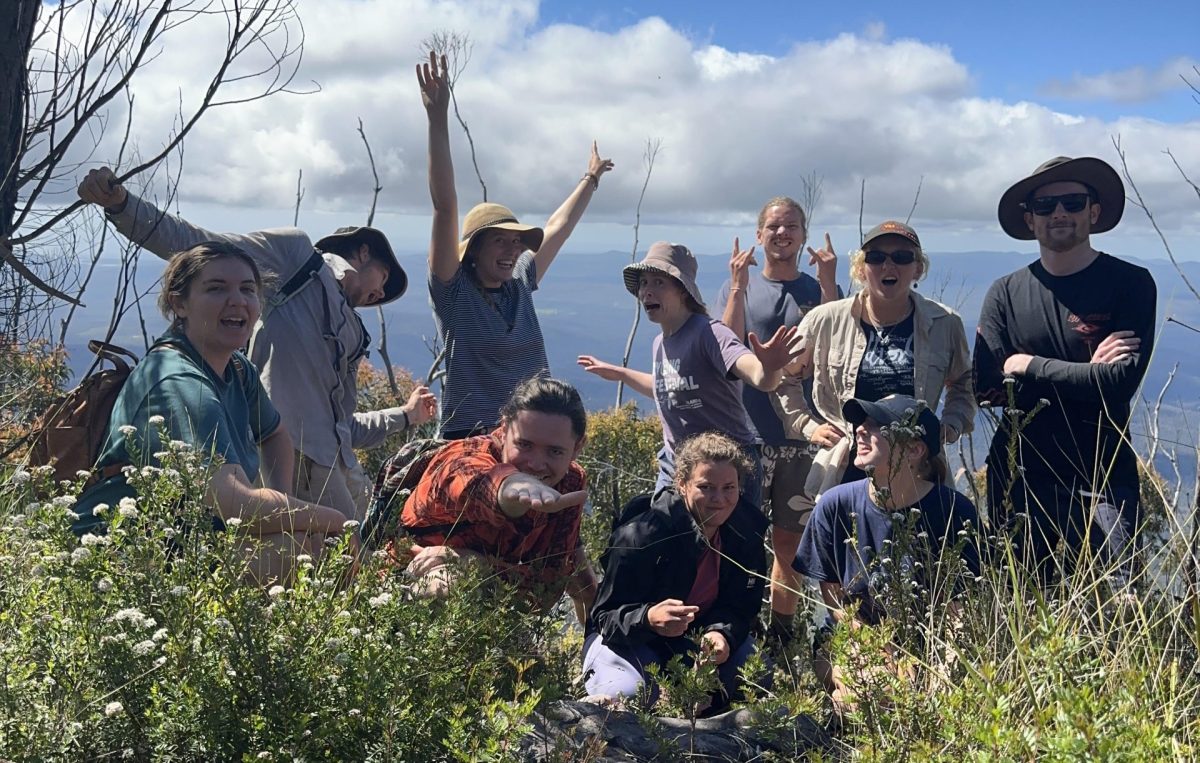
{"type": "Point", "coordinates": [209, 396]}
{"type": "Point", "coordinates": [699, 363]}
{"type": "Point", "coordinates": [311, 340]}
{"type": "Point", "coordinates": [481, 285]}
{"type": "Point", "coordinates": [513, 498]}
{"type": "Point", "coordinates": [685, 570]}
{"type": "Point", "coordinates": [885, 340]}
{"type": "Point", "coordinates": [872, 542]}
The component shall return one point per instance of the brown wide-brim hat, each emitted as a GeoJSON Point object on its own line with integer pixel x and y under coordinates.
{"type": "Point", "coordinates": [1097, 174]}
{"type": "Point", "coordinates": [676, 260]}
{"type": "Point", "coordinates": [397, 280]}
{"type": "Point", "coordinates": [488, 215]}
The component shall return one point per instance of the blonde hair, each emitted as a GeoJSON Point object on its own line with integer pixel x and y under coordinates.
{"type": "Point", "coordinates": [858, 265]}
{"type": "Point", "coordinates": [783, 201]}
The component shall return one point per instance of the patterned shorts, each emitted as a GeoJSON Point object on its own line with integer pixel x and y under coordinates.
{"type": "Point", "coordinates": [785, 469]}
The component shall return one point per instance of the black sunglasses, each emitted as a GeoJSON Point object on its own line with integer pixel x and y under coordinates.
{"type": "Point", "coordinates": [900, 257]}
{"type": "Point", "coordinates": [1045, 205]}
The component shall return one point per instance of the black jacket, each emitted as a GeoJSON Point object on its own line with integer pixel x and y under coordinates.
{"type": "Point", "coordinates": [653, 556]}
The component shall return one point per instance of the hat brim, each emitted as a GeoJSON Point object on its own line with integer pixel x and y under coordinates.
{"type": "Point", "coordinates": [1110, 194]}
{"type": "Point", "coordinates": [632, 275]}
{"type": "Point", "coordinates": [397, 280]}
{"type": "Point", "coordinates": [531, 236]}
{"type": "Point", "coordinates": [855, 412]}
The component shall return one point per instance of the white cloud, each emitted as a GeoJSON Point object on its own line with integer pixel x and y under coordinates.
{"type": "Point", "coordinates": [737, 126]}
{"type": "Point", "coordinates": [1133, 85]}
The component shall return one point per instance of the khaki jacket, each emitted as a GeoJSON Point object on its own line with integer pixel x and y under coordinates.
{"type": "Point", "coordinates": [834, 334]}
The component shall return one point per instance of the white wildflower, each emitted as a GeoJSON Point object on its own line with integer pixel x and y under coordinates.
{"type": "Point", "coordinates": [378, 601]}
{"type": "Point", "coordinates": [159, 455]}
{"type": "Point", "coordinates": [150, 471]}
{"type": "Point", "coordinates": [128, 430]}
{"type": "Point", "coordinates": [129, 512]}
{"type": "Point", "coordinates": [160, 661]}
{"type": "Point", "coordinates": [82, 474]}
{"type": "Point", "coordinates": [156, 421]}
{"type": "Point", "coordinates": [20, 477]}
{"type": "Point", "coordinates": [179, 590]}
{"type": "Point", "coordinates": [343, 615]}
{"type": "Point", "coordinates": [99, 509]}
{"type": "Point", "coordinates": [168, 532]}
{"type": "Point", "coordinates": [16, 520]}
{"type": "Point", "coordinates": [354, 712]}
{"type": "Point", "coordinates": [80, 554]}
{"type": "Point", "coordinates": [276, 591]}
{"type": "Point", "coordinates": [180, 445]}
{"type": "Point", "coordinates": [72, 516]}
{"type": "Point", "coordinates": [113, 708]}
{"type": "Point", "coordinates": [64, 501]}
{"type": "Point", "coordinates": [38, 570]}
{"type": "Point", "coordinates": [233, 522]}
{"type": "Point", "coordinates": [264, 755]}
{"type": "Point", "coordinates": [304, 559]}
{"type": "Point", "coordinates": [135, 617]}
{"type": "Point", "coordinates": [355, 632]}
{"type": "Point", "coordinates": [128, 502]}
{"type": "Point", "coordinates": [104, 585]}
{"type": "Point", "coordinates": [45, 470]}
{"type": "Point", "coordinates": [143, 648]}
{"type": "Point", "coordinates": [89, 539]}
{"type": "Point", "coordinates": [159, 635]}
{"type": "Point", "coordinates": [223, 624]}
{"type": "Point", "coordinates": [350, 524]}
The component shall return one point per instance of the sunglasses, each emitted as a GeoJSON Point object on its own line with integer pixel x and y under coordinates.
{"type": "Point", "coordinates": [1045, 205]}
{"type": "Point", "coordinates": [900, 257]}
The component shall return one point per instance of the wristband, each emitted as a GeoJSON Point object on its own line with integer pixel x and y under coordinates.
{"type": "Point", "coordinates": [594, 178]}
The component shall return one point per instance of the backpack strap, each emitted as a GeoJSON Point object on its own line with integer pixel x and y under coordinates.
{"type": "Point", "coordinates": [301, 278]}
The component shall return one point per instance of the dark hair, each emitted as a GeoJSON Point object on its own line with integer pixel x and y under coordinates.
{"type": "Point", "coordinates": [709, 447]}
{"type": "Point", "coordinates": [783, 201]}
{"type": "Point", "coordinates": [545, 395]}
{"type": "Point", "coordinates": [187, 265]}
{"type": "Point", "coordinates": [347, 247]}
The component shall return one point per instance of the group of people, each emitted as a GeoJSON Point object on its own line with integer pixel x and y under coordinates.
{"type": "Point", "coordinates": [817, 419]}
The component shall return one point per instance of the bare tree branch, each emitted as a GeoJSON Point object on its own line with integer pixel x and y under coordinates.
{"type": "Point", "coordinates": [812, 191]}
{"type": "Point", "coordinates": [653, 145]}
{"type": "Point", "coordinates": [299, 198]}
{"type": "Point", "coordinates": [916, 198]}
{"type": "Point", "coordinates": [862, 203]}
{"type": "Point", "coordinates": [374, 174]}
{"type": "Point", "coordinates": [376, 188]}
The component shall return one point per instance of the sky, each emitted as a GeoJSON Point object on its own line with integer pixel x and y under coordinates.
{"type": "Point", "coordinates": [874, 99]}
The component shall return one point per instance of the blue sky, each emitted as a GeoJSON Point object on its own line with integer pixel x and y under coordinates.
{"type": "Point", "coordinates": [1014, 50]}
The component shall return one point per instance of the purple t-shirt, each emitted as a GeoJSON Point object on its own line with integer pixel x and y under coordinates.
{"type": "Point", "coordinates": [694, 386]}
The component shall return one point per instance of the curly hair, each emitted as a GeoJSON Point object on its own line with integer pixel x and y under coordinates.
{"type": "Point", "coordinates": [709, 447]}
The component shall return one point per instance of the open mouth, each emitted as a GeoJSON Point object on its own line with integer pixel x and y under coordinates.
{"type": "Point", "coordinates": [890, 280]}
{"type": "Point", "coordinates": [651, 306]}
{"type": "Point", "coordinates": [506, 264]}
{"type": "Point", "coordinates": [234, 323]}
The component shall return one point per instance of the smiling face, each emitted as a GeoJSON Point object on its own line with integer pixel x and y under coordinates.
{"type": "Point", "coordinates": [663, 298]}
{"type": "Point", "coordinates": [494, 253]}
{"type": "Point", "coordinates": [540, 444]}
{"type": "Point", "coordinates": [364, 285]}
{"type": "Point", "coordinates": [220, 307]}
{"type": "Point", "coordinates": [782, 234]}
{"type": "Point", "coordinates": [888, 280]}
{"type": "Point", "coordinates": [710, 492]}
{"type": "Point", "coordinates": [1062, 231]}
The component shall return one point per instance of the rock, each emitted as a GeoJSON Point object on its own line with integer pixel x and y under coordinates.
{"type": "Point", "coordinates": [581, 730]}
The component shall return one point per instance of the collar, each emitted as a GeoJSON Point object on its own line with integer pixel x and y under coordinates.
{"type": "Point", "coordinates": [338, 264]}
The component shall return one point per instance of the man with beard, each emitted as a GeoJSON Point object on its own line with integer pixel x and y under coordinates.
{"type": "Point", "coordinates": [1073, 333]}
{"type": "Point", "coordinates": [780, 295]}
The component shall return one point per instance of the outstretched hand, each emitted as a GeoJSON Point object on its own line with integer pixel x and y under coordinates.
{"type": "Point", "coordinates": [606, 371]}
{"type": "Point", "coordinates": [100, 186]}
{"type": "Point", "coordinates": [775, 353]}
{"type": "Point", "coordinates": [596, 165]}
{"type": "Point", "coordinates": [522, 493]}
{"type": "Point", "coordinates": [435, 85]}
{"type": "Point", "coordinates": [739, 265]}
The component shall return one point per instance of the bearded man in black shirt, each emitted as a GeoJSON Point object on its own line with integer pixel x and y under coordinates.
{"type": "Point", "coordinates": [1074, 329]}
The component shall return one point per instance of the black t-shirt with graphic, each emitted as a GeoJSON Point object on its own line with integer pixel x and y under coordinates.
{"type": "Point", "coordinates": [887, 363]}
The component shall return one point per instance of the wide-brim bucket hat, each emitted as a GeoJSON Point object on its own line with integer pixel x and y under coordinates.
{"type": "Point", "coordinates": [489, 215]}
{"type": "Point", "coordinates": [397, 280]}
{"type": "Point", "coordinates": [676, 260]}
{"type": "Point", "coordinates": [1096, 174]}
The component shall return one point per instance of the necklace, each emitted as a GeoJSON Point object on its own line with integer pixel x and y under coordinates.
{"type": "Point", "coordinates": [885, 337]}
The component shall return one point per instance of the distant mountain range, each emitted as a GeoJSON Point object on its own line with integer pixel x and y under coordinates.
{"type": "Point", "coordinates": [584, 308]}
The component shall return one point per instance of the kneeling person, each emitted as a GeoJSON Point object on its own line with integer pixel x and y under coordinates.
{"type": "Point", "coordinates": [513, 497]}
{"type": "Point", "coordinates": [684, 571]}
{"type": "Point", "coordinates": [879, 541]}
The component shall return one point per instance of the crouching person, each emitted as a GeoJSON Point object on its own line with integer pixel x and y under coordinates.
{"type": "Point", "coordinates": [684, 572]}
{"type": "Point", "coordinates": [198, 387]}
{"type": "Point", "coordinates": [896, 541]}
{"type": "Point", "coordinates": [512, 499]}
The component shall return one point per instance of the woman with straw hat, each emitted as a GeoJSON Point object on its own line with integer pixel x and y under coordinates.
{"type": "Point", "coordinates": [481, 284]}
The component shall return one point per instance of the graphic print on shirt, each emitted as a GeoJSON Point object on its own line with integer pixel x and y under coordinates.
{"type": "Point", "coordinates": [680, 392]}
{"type": "Point", "coordinates": [887, 363]}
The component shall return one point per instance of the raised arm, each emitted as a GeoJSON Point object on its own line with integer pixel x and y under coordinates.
{"type": "Point", "coordinates": [764, 368]}
{"type": "Point", "coordinates": [564, 219]}
{"type": "Point", "coordinates": [739, 276]}
{"type": "Point", "coordinates": [443, 242]}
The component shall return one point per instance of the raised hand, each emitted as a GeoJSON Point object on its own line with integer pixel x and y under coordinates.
{"type": "Point", "coordinates": [826, 261]}
{"type": "Point", "coordinates": [596, 165]}
{"type": "Point", "coordinates": [1116, 347]}
{"type": "Point", "coordinates": [739, 266]}
{"type": "Point", "coordinates": [435, 85]}
{"type": "Point", "coordinates": [100, 186]}
{"type": "Point", "coordinates": [421, 406]}
{"type": "Point", "coordinates": [776, 352]}
{"type": "Point", "coordinates": [598, 367]}
{"type": "Point", "coordinates": [522, 493]}
{"type": "Point", "coordinates": [670, 617]}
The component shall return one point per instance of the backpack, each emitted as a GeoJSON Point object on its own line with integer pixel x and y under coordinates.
{"type": "Point", "coordinates": [70, 434]}
{"type": "Point", "coordinates": [395, 482]}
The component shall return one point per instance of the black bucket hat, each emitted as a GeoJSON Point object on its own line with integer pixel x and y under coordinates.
{"type": "Point", "coordinates": [397, 281]}
{"type": "Point", "coordinates": [1096, 174]}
